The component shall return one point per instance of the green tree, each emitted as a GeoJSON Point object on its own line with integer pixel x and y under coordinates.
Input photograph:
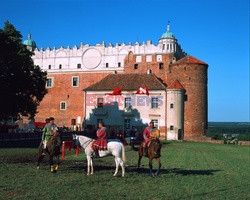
{"type": "Point", "coordinates": [22, 84]}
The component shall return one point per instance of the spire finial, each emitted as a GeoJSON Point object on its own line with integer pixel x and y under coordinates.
{"type": "Point", "coordinates": [168, 27]}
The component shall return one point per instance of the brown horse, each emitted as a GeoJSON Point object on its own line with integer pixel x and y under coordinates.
{"type": "Point", "coordinates": [153, 151]}
{"type": "Point", "coordinates": [53, 149]}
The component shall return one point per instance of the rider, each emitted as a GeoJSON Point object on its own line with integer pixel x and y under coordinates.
{"type": "Point", "coordinates": [47, 132]}
{"type": "Point", "coordinates": [149, 133]}
{"type": "Point", "coordinates": [101, 143]}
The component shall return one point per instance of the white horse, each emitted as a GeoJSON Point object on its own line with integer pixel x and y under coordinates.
{"type": "Point", "coordinates": [114, 147]}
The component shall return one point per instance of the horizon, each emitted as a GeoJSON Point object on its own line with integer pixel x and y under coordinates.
{"type": "Point", "coordinates": [216, 32]}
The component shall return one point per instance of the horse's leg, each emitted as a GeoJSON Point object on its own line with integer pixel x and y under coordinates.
{"type": "Point", "coordinates": [159, 165]}
{"type": "Point", "coordinates": [58, 162]}
{"type": "Point", "coordinates": [120, 161]}
{"type": "Point", "coordinates": [40, 159]}
{"type": "Point", "coordinates": [116, 166]}
{"type": "Point", "coordinates": [51, 163]}
{"type": "Point", "coordinates": [150, 166]}
{"type": "Point", "coordinates": [88, 164]}
{"type": "Point", "coordinates": [139, 159]}
{"type": "Point", "coordinates": [91, 165]}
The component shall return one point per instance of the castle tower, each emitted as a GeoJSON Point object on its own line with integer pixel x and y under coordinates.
{"type": "Point", "coordinates": [175, 111]}
{"type": "Point", "coordinates": [29, 43]}
{"type": "Point", "coordinates": [167, 42]}
{"type": "Point", "coordinates": [192, 73]}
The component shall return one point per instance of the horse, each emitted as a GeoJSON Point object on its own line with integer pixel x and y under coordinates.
{"type": "Point", "coordinates": [53, 149]}
{"type": "Point", "coordinates": [115, 148]}
{"type": "Point", "coordinates": [154, 151]}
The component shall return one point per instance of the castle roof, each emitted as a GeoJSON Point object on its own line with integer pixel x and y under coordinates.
{"type": "Point", "coordinates": [190, 60]}
{"type": "Point", "coordinates": [127, 82]}
{"type": "Point", "coordinates": [176, 85]}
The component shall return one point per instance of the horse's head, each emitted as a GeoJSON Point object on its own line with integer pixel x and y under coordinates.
{"type": "Point", "coordinates": [56, 138]}
{"type": "Point", "coordinates": [156, 146]}
{"type": "Point", "coordinates": [75, 141]}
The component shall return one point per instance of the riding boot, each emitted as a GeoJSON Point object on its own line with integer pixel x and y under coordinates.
{"type": "Point", "coordinates": [145, 151]}
{"type": "Point", "coordinates": [44, 152]}
{"type": "Point", "coordinates": [96, 153]}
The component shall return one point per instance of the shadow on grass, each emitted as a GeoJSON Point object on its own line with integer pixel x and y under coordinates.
{"type": "Point", "coordinates": [177, 171]}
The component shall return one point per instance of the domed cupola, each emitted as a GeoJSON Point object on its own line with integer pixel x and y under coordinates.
{"type": "Point", "coordinates": [167, 42]}
{"type": "Point", "coordinates": [29, 43]}
{"type": "Point", "coordinates": [167, 34]}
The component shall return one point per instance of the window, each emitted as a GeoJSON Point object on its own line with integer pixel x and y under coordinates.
{"type": "Point", "coordinates": [100, 102]}
{"type": "Point", "coordinates": [148, 58]}
{"type": "Point", "coordinates": [119, 64]}
{"type": "Point", "coordinates": [163, 48]}
{"type": "Point", "coordinates": [62, 105]}
{"type": "Point", "coordinates": [126, 124]}
{"type": "Point", "coordinates": [78, 66]}
{"type": "Point", "coordinates": [138, 59]}
{"type": "Point", "coordinates": [49, 83]}
{"type": "Point", "coordinates": [107, 65]}
{"type": "Point", "coordinates": [167, 46]}
{"type": "Point", "coordinates": [136, 66]}
{"type": "Point", "coordinates": [49, 66]}
{"type": "Point", "coordinates": [155, 123]}
{"type": "Point", "coordinates": [171, 128]}
{"type": "Point", "coordinates": [75, 81]}
{"type": "Point", "coordinates": [154, 102]}
{"type": "Point", "coordinates": [73, 122]}
{"type": "Point", "coordinates": [161, 65]}
{"type": "Point", "coordinates": [128, 103]}
{"type": "Point", "coordinates": [171, 105]}
{"type": "Point", "coordinates": [60, 66]}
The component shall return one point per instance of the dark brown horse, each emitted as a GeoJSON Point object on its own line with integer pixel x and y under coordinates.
{"type": "Point", "coordinates": [153, 151]}
{"type": "Point", "coordinates": [53, 149]}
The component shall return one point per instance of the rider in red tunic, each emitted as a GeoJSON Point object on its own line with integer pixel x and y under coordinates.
{"type": "Point", "coordinates": [101, 143]}
{"type": "Point", "coordinates": [149, 133]}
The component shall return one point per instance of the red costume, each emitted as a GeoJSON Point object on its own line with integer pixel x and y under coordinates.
{"type": "Point", "coordinates": [101, 142]}
{"type": "Point", "coordinates": [147, 135]}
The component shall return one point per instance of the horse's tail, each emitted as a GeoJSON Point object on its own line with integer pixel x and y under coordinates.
{"type": "Point", "coordinates": [123, 154]}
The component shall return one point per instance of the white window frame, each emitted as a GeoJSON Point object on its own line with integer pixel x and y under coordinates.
{"type": "Point", "coordinates": [128, 102]}
{"type": "Point", "coordinates": [52, 81]}
{"type": "Point", "coordinates": [65, 103]}
{"type": "Point", "coordinates": [72, 81]}
{"type": "Point", "coordinates": [156, 122]}
{"type": "Point", "coordinates": [154, 102]}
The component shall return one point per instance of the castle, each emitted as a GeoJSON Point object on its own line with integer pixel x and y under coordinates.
{"type": "Point", "coordinates": [81, 85]}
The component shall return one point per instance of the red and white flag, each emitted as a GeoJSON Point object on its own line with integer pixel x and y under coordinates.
{"type": "Point", "coordinates": [142, 91]}
{"type": "Point", "coordinates": [116, 91]}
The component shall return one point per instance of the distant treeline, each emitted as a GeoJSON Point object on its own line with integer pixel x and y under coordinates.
{"type": "Point", "coordinates": [217, 129]}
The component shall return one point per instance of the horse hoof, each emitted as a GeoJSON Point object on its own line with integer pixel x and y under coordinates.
{"type": "Point", "coordinates": [37, 167]}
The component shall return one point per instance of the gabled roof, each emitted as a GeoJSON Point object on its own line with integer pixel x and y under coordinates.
{"type": "Point", "coordinates": [189, 60]}
{"type": "Point", "coordinates": [127, 82]}
{"type": "Point", "coordinates": [176, 85]}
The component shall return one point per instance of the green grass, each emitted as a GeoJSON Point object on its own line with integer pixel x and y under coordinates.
{"type": "Point", "coordinates": [189, 171]}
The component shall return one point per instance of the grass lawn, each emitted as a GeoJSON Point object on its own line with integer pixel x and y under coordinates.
{"type": "Point", "coordinates": [189, 171]}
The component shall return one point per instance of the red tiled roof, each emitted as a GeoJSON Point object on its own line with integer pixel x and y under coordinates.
{"type": "Point", "coordinates": [190, 60]}
{"type": "Point", "coordinates": [127, 82]}
{"type": "Point", "coordinates": [176, 85]}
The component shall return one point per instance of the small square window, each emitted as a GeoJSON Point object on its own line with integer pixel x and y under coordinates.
{"type": "Point", "coordinates": [136, 66]}
{"type": "Point", "coordinates": [63, 105]}
{"type": "Point", "coordinates": [156, 123]}
{"type": "Point", "coordinates": [171, 128]}
{"type": "Point", "coordinates": [161, 66]}
{"type": "Point", "coordinates": [171, 105]}
{"type": "Point", "coordinates": [75, 81]}
{"type": "Point", "coordinates": [78, 66]}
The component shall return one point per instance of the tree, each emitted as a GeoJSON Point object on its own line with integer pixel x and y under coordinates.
{"type": "Point", "coordinates": [22, 84]}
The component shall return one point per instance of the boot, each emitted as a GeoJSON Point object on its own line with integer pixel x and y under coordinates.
{"type": "Point", "coordinates": [44, 152]}
{"type": "Point", "coordinates": [96, 153]}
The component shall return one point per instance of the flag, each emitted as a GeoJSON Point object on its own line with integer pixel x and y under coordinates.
{"type": "Point", "coordinates": [142, 91]}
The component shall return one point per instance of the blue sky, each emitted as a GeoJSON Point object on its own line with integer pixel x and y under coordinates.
{"type": "Point", "coordinates": [215, 31]}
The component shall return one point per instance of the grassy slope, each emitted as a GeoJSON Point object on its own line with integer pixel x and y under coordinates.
{"type": "Point", "coordinates": [189, 171]}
